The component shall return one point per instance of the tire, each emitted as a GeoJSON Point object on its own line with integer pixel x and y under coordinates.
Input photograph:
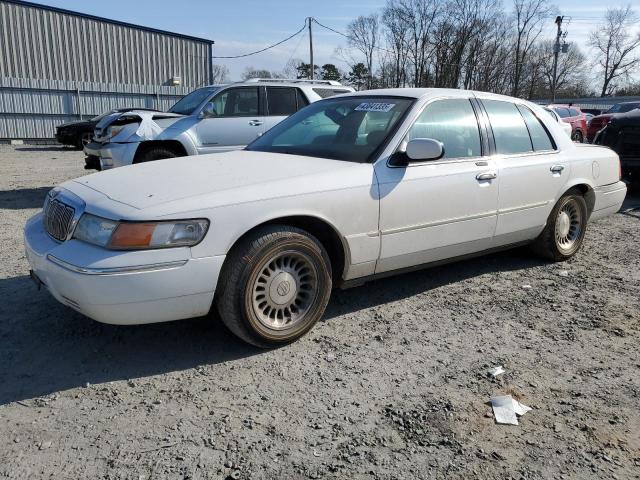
{"type": "Point", "coordinates": [155, 153]}
{"type": "Point", "coordinates": [566, 226]}
{"type": "Point", "coordinates": [577, 136]}
{"type": "Point", "coordinates": [274, 286]}
{"type": "Point", "coordinates": [84, 139]}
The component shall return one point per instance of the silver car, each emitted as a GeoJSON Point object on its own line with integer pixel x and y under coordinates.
{"type": "Point", "coordinates": [211, 119]}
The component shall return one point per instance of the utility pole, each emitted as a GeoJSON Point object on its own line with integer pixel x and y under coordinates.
{"type": "Point", "coordinates": [556, 52]}
{"type": "Point", "coordinates": [310, 19]}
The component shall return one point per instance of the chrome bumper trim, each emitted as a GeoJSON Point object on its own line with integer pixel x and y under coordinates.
{"type": "Point", "coordinates": [116, 270]}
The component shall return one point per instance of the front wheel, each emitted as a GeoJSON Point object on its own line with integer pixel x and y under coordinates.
{"type": "Point", "coordinates": [564, 233]}
{"type": "Point", "coordinates": [274, 286]}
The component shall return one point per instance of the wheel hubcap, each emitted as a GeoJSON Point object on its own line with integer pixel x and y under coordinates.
{"type": "Point", "coordinates": [284, 290]}
{"type": "Point", "coordinates": [568, 226]}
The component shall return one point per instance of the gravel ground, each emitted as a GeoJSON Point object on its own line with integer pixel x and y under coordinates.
{"type": "Point", "coordinates": [392, 383]}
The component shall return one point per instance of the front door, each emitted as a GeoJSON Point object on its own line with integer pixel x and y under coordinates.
{"type": "Point", "coordinates": [444, 208]}
{"type": "Point", "coordinates": [230, 121]}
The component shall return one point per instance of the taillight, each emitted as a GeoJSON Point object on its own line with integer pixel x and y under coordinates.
{"type": "Point", "coordinates": [619, 169]}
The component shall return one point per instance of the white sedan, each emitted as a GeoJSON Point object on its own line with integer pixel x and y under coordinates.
{"type": "Point", "coordinates": [345, 190]}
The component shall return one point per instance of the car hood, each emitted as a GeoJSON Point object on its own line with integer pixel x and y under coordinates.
{"type": "Point", "coordinates": [77, 123]}
{"type": "Point", "coordinates": [224, 178]}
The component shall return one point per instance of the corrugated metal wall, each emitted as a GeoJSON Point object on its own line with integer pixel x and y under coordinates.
{"type": "Point", "coordinates": [44, 44]}
{"type": "Point", "coordinates": [31, 109]}
{"type": "Point", "coordinates": [56, 66]}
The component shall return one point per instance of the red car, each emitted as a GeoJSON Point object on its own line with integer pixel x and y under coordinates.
{"type": "Point", "coordinates": [599, 122]}
{"type": "Point", "coordinates": [575, 117]}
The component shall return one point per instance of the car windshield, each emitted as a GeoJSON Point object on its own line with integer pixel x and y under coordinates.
{"type": "Point", "coordinates": [102, 115]}
{"type": "Point", "coordinates": [187, 104]}
{"type": "Point", "coordinates": [623, 107]}
{"type": "Point", "coordinates": [345, 128]}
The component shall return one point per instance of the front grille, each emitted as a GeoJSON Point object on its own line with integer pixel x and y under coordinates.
{"type": "Point", "coordinates": [58, 219]}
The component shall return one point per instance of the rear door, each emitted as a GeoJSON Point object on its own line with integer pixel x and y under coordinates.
{"type": "Point", "coordinates": [282, 102]}
{"type": "Point", "coordinates": [233, 120]}
{"type": "Point", "coordinates": [530, 168]}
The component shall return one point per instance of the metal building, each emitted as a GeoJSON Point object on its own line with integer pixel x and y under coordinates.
{"type": "Point", "coordinates": [57, 65]}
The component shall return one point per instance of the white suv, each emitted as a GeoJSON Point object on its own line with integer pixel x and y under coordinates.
{"type": "Point", "coordinates": [212, 119]}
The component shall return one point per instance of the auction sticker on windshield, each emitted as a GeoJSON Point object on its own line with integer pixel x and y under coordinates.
{"type": "Point", "coordinates": [375, 107]}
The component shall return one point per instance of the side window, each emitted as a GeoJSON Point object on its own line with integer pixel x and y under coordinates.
{"type": "Point", "coordinates": [563, 112]}
{"type": "Point", "coordinates": [509, 130]}
{"type": "Point", "coordinates": [235, 102]}
{"type": "Point", "coordinates": [454, 123]}
{"type": "Point", "coordinates": [573, 112]}
{"type": "Point", "coordinates": [281, 101]}
{"type": "Point", "coordinates": [539, 135]}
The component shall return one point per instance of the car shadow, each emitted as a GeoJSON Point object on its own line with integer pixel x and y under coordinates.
{"type": "Point", "coordinates": [404, 285]}
{"type": "Point", "coordinates": [22, 198]}
{"type": "Point", "coordinates": [47, 148]}
{"type": "Point", "coordinates": [46, 347]}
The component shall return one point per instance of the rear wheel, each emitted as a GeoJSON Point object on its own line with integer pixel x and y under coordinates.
{"type": "Point", "coordinates": [274, 286]}
{"type": "Point", "coordinates": [564, 233]}
{"type": "Point", "coordinates": [155, 153]}
{"type": "Point", "coordinates": [577, 136]}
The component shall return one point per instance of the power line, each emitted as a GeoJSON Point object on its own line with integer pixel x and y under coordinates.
{"type": "Point", "coordinates": [329, 28]}
{"type": "Point", "coordinates": [266, 48]}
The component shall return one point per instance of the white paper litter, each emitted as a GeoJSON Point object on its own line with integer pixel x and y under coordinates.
{"type": "Point", "coordinates": [506, 409]}
{"type": "Point", "coordinates": [495, 371]}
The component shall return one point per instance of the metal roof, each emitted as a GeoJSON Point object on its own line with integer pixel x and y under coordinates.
{"type": "Point", "coordinates": [595, 103]}
{"type": "Point", "coordinates": [107, 20]}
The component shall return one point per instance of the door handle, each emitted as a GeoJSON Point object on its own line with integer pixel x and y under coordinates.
{"type": "Point", "coordinates": [255, 123]}
{"type": "Point", "coordinates": [486, 176]}
{"type": "Point", "coordinates": [557, 168]}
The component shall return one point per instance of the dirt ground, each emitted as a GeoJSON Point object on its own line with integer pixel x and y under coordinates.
{"type": "Point", "coordinates": [392, 384]}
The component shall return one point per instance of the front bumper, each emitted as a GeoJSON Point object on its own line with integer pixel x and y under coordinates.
{"type": "Point", "coordinates": [66, 138]}
{"type": "Point", "coordinates": [120, 287]}
{"type": "Point", "coordinates": [608, 200]}
{"type": "Point", "coordinates": [112, 155]}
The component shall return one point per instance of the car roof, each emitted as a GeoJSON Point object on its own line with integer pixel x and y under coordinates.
{"type": "Point", "coordinates": [285, 82]}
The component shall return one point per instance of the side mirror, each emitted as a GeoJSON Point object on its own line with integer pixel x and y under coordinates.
{"type": "Point", "coordinates": [421, 149]}
{"type": "Point", "coordinates": [208, 111]}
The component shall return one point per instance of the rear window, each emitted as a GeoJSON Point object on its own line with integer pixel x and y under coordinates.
{"type": "Point", "coordinates": [281, 101]}
{"type": "Point", "coordinates": [509, 129]}
{"type": "Point", "coordinates": [540, 138]}
{"type": "Point", "coordinates": [623, 107]}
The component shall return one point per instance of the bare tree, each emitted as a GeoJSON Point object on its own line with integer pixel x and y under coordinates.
{"type": "Point", "coordinates": [615, 47]}
{"type": "Point", "coordinates": [396, 53]}
{"type": "Point", "coordinates": [364, 36]}
{"type": "Point", "coordinates": [570, 71]}
{"type": "Point", "coordinates": [219, 74]}
{"type": "Point", "coordinates": [528, 23]}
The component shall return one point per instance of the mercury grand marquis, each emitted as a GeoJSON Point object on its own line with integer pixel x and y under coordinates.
{"type": "Point", "coordinates": [346, 189]}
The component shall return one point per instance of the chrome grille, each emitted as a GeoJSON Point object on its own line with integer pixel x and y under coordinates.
{"type": "Point", "coordinates": [58, 219]}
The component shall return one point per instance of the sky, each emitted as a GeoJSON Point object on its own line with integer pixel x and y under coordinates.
{"type": "Point", "coordinates": [243, 26]}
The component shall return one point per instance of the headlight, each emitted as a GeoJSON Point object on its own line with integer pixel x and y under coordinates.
{"type": "Point", "coordinates": [114, 130]}
{"type": "Point", "coordinates": [140, 235]}
{"type": "Point", "coordinates": [96, 230]}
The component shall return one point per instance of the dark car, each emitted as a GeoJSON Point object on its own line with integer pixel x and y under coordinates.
{"type": "Point", "coordinates": [598, 122]}
{"type": "Point", "coordinates": [622, 135]}
{"type": "Point", "coordinates": [79, 133]}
